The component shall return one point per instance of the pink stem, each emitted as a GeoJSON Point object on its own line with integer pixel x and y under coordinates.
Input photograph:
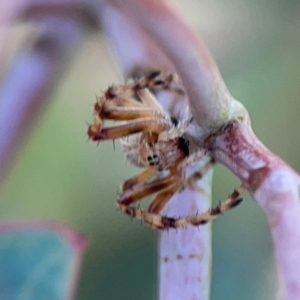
{"type": "Point", "coordinates": [275, 187]}
{"type": "Point", "coordinates": [222, 125]}
{"type": "Point", "coordinates": [188, 53]}
{"type": "Point", "coordinates": [34, 73]}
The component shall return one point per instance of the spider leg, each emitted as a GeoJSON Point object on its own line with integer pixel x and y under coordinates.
{"type": "Point", "coordinates": [193, 158]}
{"type": "Point", "coordinates": [145, 189]}
{"type": "Point", "coordinates": [131, 113]}
{"type": "Point", "coordinates": [157, 221]}
{"type": "Point", "coordinates": [200, 219]}
{"type": "Point", "coordinates": [175, 131]}
{"type": "Point", "coordinates": [162, 80]}
{"type": "Point", "coordinates": [143, 125]}
{"type": "Point", "coordinates": [135, 180]}
{"type": "Point", "coordinates": [123, 109]}
{"type": "Point", "coordinates": [118, 104]}
{"type": "Point", "coordinates": [95, 128]}
{"type": "Point", "coordinates": [162, 198]}
{"type": "Point", "coordinates": [104, 106]}
{"type": "Point", "coordinates": [192, 179]}
{"type": "Point", "coordinates": [149, 99]}
{"type": "Point", "coordinates": [155, 186]}
{"type": "Point", "coordinates": [122, 101]}
{"type": "Point", "coordinates": [155, 80]}
{"type": "Point", "coordinates": [115, 91]}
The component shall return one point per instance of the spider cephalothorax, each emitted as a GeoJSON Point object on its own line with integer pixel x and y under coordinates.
{"type": "Point", "coordinates": [155, 141]}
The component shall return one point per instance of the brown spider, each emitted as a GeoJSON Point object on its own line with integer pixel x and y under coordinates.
{"type": "Point", "coordinates": [155, 141]}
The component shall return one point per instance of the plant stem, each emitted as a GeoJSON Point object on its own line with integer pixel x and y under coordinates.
{"type": "Point", "coordinates": [184, 254]}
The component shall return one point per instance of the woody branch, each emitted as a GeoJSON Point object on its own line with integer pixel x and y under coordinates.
{"type": "Point", "coordinates": [223, 126]}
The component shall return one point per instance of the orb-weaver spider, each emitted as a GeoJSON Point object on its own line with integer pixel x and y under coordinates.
{"type": "Point", "coordinates": [156, 142]}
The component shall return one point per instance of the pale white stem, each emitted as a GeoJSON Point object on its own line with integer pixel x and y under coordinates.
{"type": "Point", "coordinates": [184, 254]}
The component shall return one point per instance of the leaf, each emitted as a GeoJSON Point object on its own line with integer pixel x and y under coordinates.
{"type": "Point", "coordinates": [39, 260]}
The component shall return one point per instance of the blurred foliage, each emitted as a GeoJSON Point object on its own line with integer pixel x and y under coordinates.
{"type": "Point", "coordinates": [59, 175]}
{"type": "Point", "coordinates": [37, 262]}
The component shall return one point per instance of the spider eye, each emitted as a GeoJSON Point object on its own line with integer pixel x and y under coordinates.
{"type": "Point", "coordinates": [159, 82]}
{"type": "Point", "coordinates": [174, 121]}
{"type": "Point", "coordinates": [154, 74]}
{"type": "Point", "coordinates": [153, 160]}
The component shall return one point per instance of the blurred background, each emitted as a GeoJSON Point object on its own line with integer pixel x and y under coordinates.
{"type": "Point", "coordinates": [60, 175]}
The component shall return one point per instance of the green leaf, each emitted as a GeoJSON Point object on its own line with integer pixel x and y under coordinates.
{"type": "Point", "coordinates": [39, 260]}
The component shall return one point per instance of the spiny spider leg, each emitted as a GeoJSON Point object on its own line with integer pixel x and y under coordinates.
{"type": "Point", "coordinates": [156, 80]}
{"type": "Point", "coordinates": [122, 97]}
{"type": "Point", "coordinates": [104, 105]}
{"type": "Point", "coordinates": [115, 98]}
{"type": "Point", "coordinates": [133, 110]}
{"type": "Point", "coordinates": [146, 189]}
{"type": "Point", "coordinates": [116, 91]}
{"type": "Point", "coordinates": [192, 179]}
{"type": "Point", "coordinates": [162, 198]}
{"type": "Point", "coordinates": [200, 219]}
{"type": "Point", "coordinates": [162, 222]}
{"type": "Point", "coordinates": [148, 99]}
{"type": "Point", "coordinates": [139, 178]}
{"type": "Point", "coordinates": [147, 124]}
{"type": "Point", "coordinates": [160, 80]}
{"type": "Point", "coordinates": [194, 157]}
{"type": "Point", "coordinates": [122, 101]}
{"type": "Point", "coordinates": [121, 108]}
{"type": "Point", "coordinates": [131, 113]}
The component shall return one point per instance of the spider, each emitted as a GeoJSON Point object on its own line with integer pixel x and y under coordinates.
{"type": "Point", "coordinates": [155, 141]}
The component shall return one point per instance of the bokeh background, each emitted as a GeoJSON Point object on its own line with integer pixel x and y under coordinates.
{"type": "Point", "coordinates": [60, 175]}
